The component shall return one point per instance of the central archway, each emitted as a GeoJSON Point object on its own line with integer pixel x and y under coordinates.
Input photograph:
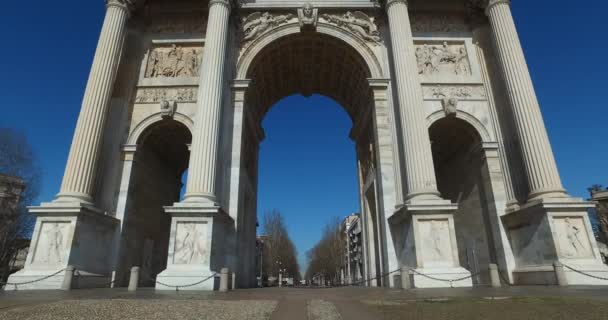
{"type": "Point", "coordinates": [331, 63]}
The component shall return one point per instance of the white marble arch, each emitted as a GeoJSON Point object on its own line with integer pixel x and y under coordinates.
{"type": "Point", "coordinates": [256, 46]}
{"type": "Point", "coordinates": [152, 119]}
{"type": "Point", "coordinates": [482, 130]}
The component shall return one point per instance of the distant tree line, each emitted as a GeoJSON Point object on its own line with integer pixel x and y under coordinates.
{"type": "Point", "coordinates": [279, 253]}
{"type": "Point", "coordinates": [325, 259]}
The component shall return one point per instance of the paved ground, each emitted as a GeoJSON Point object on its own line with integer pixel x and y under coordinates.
{"type": "Point", "coordinates": [312, 304]}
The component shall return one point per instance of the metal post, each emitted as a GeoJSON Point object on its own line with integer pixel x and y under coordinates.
{"type": "Point", "coordinates": [405, 278]}
{"type": "Point", "coordinates": [560, 274]}
{"type": "Point", "coordinates": [224, 273]}
{"type": "Point", "coordinates": [67, 278]}
{"type": "Point", "coordinates": [134, 279]}
{"type": "Point", "coordinates": [494, 276]}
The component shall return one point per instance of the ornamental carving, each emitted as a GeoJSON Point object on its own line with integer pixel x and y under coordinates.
{"type": "Point", "coordinates": [308, 16]}
{"type": "Point", "coordinates": [173, 62]}
{"type": "Point", "coordinates": [257, 23]}
{"type": "Point", "coordinates": [159, 95]}
{"type": "Point", "coordinates": [356, 22]}
{"type": "Point", "coordinates": [438, 23]}
{"type": "Point", "coordinates": [460, 92]}
{"type": "Point", "coordinates": [445, 59]}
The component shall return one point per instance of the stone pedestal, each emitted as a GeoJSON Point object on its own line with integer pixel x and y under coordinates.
{"type": "Point", "coordinates": [197, 246]}
{"type": "Point", "coordinates": [430, 245]}
{"type": "Point", "coordinates": [554, 229]}
{"type": "Point", "coordinates": [68, 234]}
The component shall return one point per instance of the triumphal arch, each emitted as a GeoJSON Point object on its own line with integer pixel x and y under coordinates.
{"type": "Point", "coordinates": [455, 166]}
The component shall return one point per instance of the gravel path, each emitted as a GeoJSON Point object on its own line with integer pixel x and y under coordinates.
{"type": "Point", "coordinates": [145, 309]}
{"type": "Point", "coordinates": [322, 310]}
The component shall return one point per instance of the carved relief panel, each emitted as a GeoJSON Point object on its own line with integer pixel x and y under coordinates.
{"type": "Point", "coordinates": [436, 242]}
{"type": "Point", "coordinates": [52, 243]}
{"type": "Point", "coordinates": [443, 60]}
{"type": "Point", "coordinates": [572, 238]}
{"type": "Point", "coordinates": [191, 243]}
{"type": "Point", "coordinates": [173, 61]}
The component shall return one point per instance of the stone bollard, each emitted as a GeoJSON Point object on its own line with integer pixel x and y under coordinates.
{"type": "Point", "coordinates": [560, 274]}
{"type": "Point", "coordinates": [224, 281]}
{"type": "Point", "coordinates": [494, 276]}
{"type": "Point", "coordinates": [405, 278]}
{"type": "Point", "coordinates": [134, 279]}
{"type": "Point", "coordinates": [67, 278]}
{"type": "Point", "coordinates": [280, 280]}
{"type": "Point", "coordinates": [233, 281]}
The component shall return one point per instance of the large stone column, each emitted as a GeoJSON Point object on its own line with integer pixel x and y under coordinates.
{"type": "Point", "coordinates": [79, 177]}
{"type": "Point", "coordinates": [203, 158]}
{"type": "Point", "coordinates": [539, 163]}
{"type": "Point", "coordinates": [420, 172]}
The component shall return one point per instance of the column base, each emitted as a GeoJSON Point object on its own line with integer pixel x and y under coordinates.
{"type": "Point", "coordinates": [68, 234]}
{"type": "Point", "coordinates": [554, 229]}
{"type": "Point", "coordinates": [198, 247]}
{"type": "Point", "coordinates": [456, 274]}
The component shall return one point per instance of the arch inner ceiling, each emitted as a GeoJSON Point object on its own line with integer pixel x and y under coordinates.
{"type": "Point", "coordinates": [308, 64]}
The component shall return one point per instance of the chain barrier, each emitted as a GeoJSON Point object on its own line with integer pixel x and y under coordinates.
{"type": "Point", "coordinates": [31, 281]}
{"type": "Point", "coordinates": [451, 281]}
{"type": "Point", "coordinates": [108, 284]}
{"type": "Point", "coordinates": [181, 286]}
{"type": "Point", "coordinates": [585, 274]}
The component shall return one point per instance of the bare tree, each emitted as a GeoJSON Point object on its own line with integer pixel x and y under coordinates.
{"type": "Point", "coordinates": [326, 257]}
{"type": "Point", "coordinates": [279, 251]}
{"type": "Point", "coordinates": [19, 164]}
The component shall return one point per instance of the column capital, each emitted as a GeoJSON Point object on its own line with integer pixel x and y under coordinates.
{"type": "Point", "coordinates": [487, 4]}
{"type": "Point", "coordinates": [227, 3]}
{"type": "Point", "coordinates": [124, 4]}
{"type": "Point", "coordinates": [389, 3]}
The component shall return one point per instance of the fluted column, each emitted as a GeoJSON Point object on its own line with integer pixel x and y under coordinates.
{"type": "Point", "coordinates": [79, 177]}
{"type": "Point", "coordinates": [419, 169]}
{"type": "Point", "coordinates": [203, 158]}
{"type": "Point", "coordinates": [541, 170]}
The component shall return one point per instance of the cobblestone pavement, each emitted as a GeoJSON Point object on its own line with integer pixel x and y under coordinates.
{"type": "Point", "coordinates": [311, 304]}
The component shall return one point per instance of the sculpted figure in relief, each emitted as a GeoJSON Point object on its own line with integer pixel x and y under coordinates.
{"type": "Point", "coordinates": [358, 22]}
{"type": "Point", "coordinates": [442, 60]}
{"type": "Point", "coordinates": [191, 249]}
{"type": "Point", "coordinates": [437, 238]}
{"type": "Point", "coordinates": [257, 23]}
{"type": "Point", "coordinates": [308, 15]}
{"type": "Point", "coordinates": [573, 236]}
{"type": "Point", "coordinates": [55, 238]}
{"type": "Point", "coordinates": [173, 63]}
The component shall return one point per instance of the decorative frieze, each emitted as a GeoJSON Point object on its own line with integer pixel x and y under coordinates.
{"type": "Point", "coordinates": [443, 59]}
{"type": "Point", "coordinates": [439, 23]}
{"type": "Point", "coordinates": [158, 95]}
{"type": "Point", "coordinates": [359, 23]}
{"type": "Point", "coordinates": [470, 92]}
{"type": "Point", "coordinates": [257, 23]}
{"type": "Point", "coordinates": [173, 61]}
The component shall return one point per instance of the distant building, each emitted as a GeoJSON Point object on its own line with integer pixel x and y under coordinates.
{"type": "Point", "coordinates": [352, 269]}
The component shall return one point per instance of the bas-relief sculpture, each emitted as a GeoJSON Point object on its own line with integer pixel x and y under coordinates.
{"type": "Point", "coordinates": [52, 242]}
{"type": "Point", "coordinates": [359, 23]}
{"type": "Point", "coordinates": [158, 95]}
{"type": "Point", "coordinates": [257, 23]}
{"type": "Point", "coordinates": [190, 241]}
{"type": "Point", "coordinates": [173, 62]}
{"type": "Point", "coordinates": [573, 238]}
{"type": "Point", "coordinates": [444, 59]}
{"type": "Point", "coordinates": [435, 235]}
{"type": "Point", "coordinates": [308, 16]}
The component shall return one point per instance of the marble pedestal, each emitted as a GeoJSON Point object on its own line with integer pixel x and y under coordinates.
{"type": "Point", "coordinates": [197, 247]}
{"type": "Point", "coordinates": [430, 245]}
{"type": "Point", "coordinates": [555, 229]}
{"type": "Point", "coordinates": [68, 234]}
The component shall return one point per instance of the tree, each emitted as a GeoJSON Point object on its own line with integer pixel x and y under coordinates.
{"type": "Point", "coordinates": [279, 251]}
{"type": "Point", "coordinates": [17, 160]}
{"type": "Point", "coordinates": [326, 257]}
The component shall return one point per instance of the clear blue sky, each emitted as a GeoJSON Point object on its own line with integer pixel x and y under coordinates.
{"type": "Point", "coordinates": [48, 47]}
